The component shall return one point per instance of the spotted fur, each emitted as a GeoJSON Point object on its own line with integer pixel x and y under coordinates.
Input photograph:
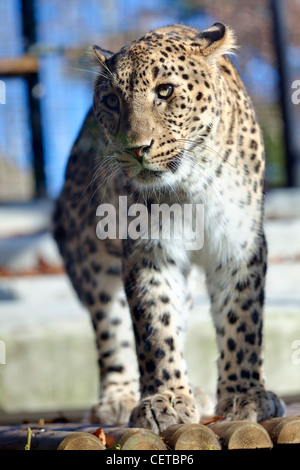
{"type": "Point", "coordinates": [171, 122]}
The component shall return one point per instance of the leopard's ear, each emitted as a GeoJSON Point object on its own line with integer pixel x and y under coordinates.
{"type": "Point", "coordinates": [216, 41]}
{"type": "Point", "coordinates": [99, 55]}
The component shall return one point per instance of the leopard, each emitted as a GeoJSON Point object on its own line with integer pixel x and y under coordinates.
{"type": "Point", "coordinates": [171, 123]}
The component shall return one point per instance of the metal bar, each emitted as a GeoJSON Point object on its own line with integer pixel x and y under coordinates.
{"type": "Point", "coordinates": [280, 38]}
{"type": "Point", "coordinates": [32, 80]}
{"type": "Point", "coordinates": [19, 66]}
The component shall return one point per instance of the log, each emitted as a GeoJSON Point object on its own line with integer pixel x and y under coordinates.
{"type": "Point", "coordinates": [190, 437]}
{"type": "Point", "coordinates": [49, 440]}
{"type": "Point", "coordinates": [23, 65]}
{"type": "Point", "coordinates": [242, 435]}
{"type": "Point", "coordinates": [81, 441]}
{"type": "Point", "coordinates": [283, 430]}
{"type": "Point", "coordinates": [127, 438]}
{"type": "Point", "coordinates": [133, 439]}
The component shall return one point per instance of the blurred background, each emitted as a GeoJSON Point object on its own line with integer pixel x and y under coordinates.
{"type": "Point", "coordinates": [49, 84]}
{"type": "Point", "coordinates": [46, 82]}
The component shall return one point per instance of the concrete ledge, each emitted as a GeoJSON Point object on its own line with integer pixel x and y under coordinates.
{"type": "Point", "coordinates": [50, 349]}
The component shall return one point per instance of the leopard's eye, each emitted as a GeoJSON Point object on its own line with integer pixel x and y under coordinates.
{"type": "Point", "coordinates": [164, 91]}
{"type": "Point", "coordinates": [112, 101]}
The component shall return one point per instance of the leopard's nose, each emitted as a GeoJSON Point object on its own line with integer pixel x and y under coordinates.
{"type": "Point", "coordinates": [139, 151]}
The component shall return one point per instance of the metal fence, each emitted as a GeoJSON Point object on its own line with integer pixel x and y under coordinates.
{"type": "Point", "coordinates": [46, 87]}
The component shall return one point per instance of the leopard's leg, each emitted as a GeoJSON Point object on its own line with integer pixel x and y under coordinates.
{"type": "Point", "coordinates": [94, 268]}
{"type": "Point", "coordinates": [156, 292]}
{"type": "Point", "coordinates": [237, 297]}
{"type": "Point", "coordinates": [119, 384]}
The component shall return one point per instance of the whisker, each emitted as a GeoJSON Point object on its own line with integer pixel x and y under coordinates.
{"type": "Point", "coordinates": [207, 147]}
{"type": "Point", "coordinates": [104, 65]}
{"type": "Point", "coordinates": [109, 170]}
{"type": "Point", "coordinates": [204, 146]}
{"type": "Point", "coordinates": [105, 186]}
{"type": "Point", "coordinates": [92, 173]}
{"type": "Point", "coordinates": [84, 70]}
{"type": "Point", "coordinates": [106, 68]}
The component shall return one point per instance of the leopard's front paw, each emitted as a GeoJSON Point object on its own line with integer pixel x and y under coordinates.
{"type": "Point", "coordinates": [255, 405]}
{"type": "Point", "coordinates": [162, 410]}
{"type": "Point", "coordinates": [113, 409]}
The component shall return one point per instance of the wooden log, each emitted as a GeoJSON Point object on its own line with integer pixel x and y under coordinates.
{"type": "Point", "coordinates": [283, 430]}
{"type": "Point", "coordinates": [23, 65]}
{"type": "Point", "coordinates": [190, 437]}
{"type": "Point", "coordinates": [81, 441]}
{"type": "Point", "coordinates": [49, 440]}
{"type": "Point", "coordinates": [242, 435]}
{"type": "Point", "coordinates": [133, 439]}
{"type": "Point", "coordinates": [128, 438]}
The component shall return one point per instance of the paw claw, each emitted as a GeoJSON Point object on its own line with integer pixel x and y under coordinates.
{"type": "Point", "coordinates": [255, 405]}
{"type": "Point", "coordinates": [112, 410]}
{"type": "Point", "coordinates": [162, 410]}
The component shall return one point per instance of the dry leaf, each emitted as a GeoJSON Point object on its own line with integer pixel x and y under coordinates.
{"type": "Point", "coordinates": [100, 434]}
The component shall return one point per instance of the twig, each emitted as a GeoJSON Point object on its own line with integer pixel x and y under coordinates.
{"type": "Point", "coordinates": [213, 420]}
{"type": "Point", "coordinates": [29, 434]}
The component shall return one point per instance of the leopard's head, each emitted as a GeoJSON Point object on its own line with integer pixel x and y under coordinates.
{"type": "Point", "coordinates": [157, 100]}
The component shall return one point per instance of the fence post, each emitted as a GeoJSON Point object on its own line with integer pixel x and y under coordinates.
{"type": "Point", "coordinates": [280, 38]}
{"type": "Point", "coordinates": [29, 32]}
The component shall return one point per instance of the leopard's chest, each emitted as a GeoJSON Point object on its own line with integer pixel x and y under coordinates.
{"type": "Point", "coordinates": [231, 225]}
